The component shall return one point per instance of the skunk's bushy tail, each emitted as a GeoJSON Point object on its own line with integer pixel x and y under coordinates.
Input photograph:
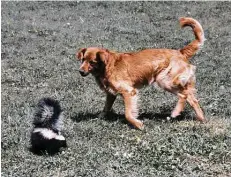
{"type": "Point", "coordinates": [48, 114]}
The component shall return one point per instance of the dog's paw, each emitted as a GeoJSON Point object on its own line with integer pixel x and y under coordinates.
{"type": "Point", "coordinates": [102, 115]}
{"type": "Point", "coordinates": [203, 121]}
{"type": "Point", "coordinates": [106, 114]}
{"type": "Point", "coordinates": [139, 125]}
{"type": "Point", "coordinates": [174, 114]}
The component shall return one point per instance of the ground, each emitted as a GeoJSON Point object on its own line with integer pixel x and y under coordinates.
{"type": "Point", "coordinates": [39, 42]}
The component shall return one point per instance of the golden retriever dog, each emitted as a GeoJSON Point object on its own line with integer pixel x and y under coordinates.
{"type": "Point", "coordinates": [124, 73]}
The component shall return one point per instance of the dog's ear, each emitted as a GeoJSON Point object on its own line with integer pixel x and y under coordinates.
{"type": "Point", "coordinates": [80, 53]}
{"type": "Point", "coordinates": [102, 56]}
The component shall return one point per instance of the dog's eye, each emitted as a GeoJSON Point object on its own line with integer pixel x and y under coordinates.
{"type": "Point", "coordinates": [92, 62]}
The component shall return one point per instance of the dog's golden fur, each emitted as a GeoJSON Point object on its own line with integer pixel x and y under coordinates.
{"type": "Point", "coordinates": [124, 73]}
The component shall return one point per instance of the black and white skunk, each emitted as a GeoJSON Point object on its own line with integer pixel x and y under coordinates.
{"type": "Point", "coordinates": [46, 134]}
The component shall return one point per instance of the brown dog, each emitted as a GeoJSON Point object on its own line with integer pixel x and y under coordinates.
{"type": "Point", "coordinates": [124, 73]}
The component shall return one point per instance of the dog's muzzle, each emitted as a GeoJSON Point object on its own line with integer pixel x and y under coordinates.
{"type": "Point", "coordinates": [83, 73]}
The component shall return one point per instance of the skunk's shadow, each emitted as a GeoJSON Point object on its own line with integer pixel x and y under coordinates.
{"type": "Point", "coordinates": [50, 152]}
{"type": "Point", "coordinates": [162, 116]}
{"type": "Point", "coordinates": [42, 153]}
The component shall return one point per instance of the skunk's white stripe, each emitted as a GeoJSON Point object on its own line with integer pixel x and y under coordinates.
{"type": "Point", "coordinates": [60, 137]}
{"type": "Point", "coordinates": [48, 134]}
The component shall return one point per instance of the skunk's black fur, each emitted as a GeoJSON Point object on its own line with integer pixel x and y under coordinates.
{"type": "Point", "coordinates": [46, 134]}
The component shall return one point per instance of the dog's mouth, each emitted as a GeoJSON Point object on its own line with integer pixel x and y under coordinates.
{"type": "Point", "coordinates": [83, 74]}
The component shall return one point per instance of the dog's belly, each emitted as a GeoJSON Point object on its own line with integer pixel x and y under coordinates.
{"type": "Point", "coordinates": [176, 76]}
{"type": "Point", "coordinates": [165, 82]}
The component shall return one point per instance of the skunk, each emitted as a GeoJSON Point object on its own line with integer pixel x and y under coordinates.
{"type": "Point", "coordinates": [46, 134]}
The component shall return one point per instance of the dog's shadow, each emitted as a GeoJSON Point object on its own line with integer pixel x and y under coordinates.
{"type": "Point", "coordinates": [81, 116]}
{"type": "Point", "coordinates": [164, 115]}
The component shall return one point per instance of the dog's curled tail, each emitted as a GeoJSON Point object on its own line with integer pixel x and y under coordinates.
{"type": "Point", "coordinates": [189, 50]}
{"type": "Point", "coordinates": [48, 113]}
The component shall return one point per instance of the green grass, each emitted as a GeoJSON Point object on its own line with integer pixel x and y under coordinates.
{"type": "Point", "coordinates": [39, 41]}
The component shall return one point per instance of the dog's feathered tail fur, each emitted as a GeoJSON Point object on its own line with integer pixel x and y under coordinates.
{"type": "Point", "coordinates": [46, 134]}
{"type": "Point", "coordinates": [189, 50]}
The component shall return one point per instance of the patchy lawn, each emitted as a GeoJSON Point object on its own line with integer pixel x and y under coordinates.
{"type": "Point", "coordinates": [39, 41]}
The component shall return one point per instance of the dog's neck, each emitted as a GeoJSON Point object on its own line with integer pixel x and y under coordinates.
{"type": "Point", "coordinates": [103, 77]}
{"type": "Point", "coordinates": [102, 81]}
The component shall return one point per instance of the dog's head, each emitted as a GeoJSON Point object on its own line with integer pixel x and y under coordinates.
{"type": "Point", "coordinates": [93, 60]}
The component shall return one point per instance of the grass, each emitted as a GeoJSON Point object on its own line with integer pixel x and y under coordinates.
{"type": "Point", "coordinates": [39, 41]}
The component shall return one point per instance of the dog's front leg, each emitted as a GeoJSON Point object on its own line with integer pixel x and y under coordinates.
{"type": "Point", "coordinates": [131, 111]}
{"type": "Point", "coordinates": [110, 99]}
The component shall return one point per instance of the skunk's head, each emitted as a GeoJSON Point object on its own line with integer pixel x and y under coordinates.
{"type": "Point", "coordinates": [43, 139]}
{"type": "Point", "coordinates": [59, 141]}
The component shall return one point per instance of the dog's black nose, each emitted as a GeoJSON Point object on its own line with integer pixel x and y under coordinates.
{"type": "Point", "coordinates": [83, 73]}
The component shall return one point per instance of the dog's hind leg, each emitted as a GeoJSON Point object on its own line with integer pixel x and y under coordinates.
{"type": "Point", "coordinates": [131, 110]}
{"type": "Point", "coordinates": [179, 106]}
{"type": "Point", "coordinates": [194, 103]}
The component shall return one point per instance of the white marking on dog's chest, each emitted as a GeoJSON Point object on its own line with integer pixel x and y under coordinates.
{"type": "Point", "coordinates": [106, 86]}
{"type": "Point", "coordinates": [124, 85]}
{"type": "Point", "coordinates": [116, 86]}
{"type": "Point", "coordinates": [110, 90]}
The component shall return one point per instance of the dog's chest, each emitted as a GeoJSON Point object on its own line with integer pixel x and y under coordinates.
{"type": "Point", "coordinates": [105, 85]}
